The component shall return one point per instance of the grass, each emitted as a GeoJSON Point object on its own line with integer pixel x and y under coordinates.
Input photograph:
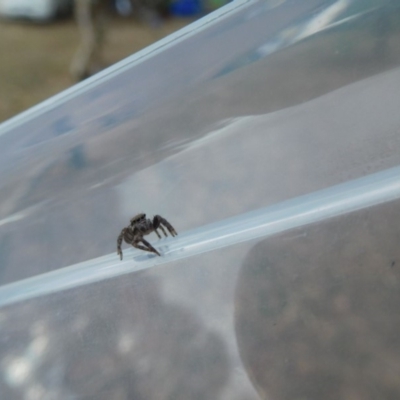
{"type": "Point", "coordinates": [35, 58]}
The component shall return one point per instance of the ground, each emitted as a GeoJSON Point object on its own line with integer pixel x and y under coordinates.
{"type": "Point", "coordinates": [36, 57]}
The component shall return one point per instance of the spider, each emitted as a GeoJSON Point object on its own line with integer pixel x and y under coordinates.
{"type": "Point", "coordinates": [141, 226]}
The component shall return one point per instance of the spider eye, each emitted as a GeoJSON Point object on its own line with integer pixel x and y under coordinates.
{"type": "Point", "coordinates": [137, 218]}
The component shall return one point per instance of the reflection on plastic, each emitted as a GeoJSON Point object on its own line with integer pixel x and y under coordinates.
{"type": "Point", "coordinates": [317, 307]}
{"type": "Point", "coordinates": [135, 137]}
{"type": "Point", "coordinates": [355, 195]}
{"type": "Point", "coordinates": [118, 339]}
{"type": "Point", "coordinates": [211, 124]}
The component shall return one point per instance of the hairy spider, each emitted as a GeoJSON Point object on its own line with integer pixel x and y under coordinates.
{"type": "Point", "coordinates": [141, 226]}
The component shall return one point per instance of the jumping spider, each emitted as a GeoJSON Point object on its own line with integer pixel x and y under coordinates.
{"type": "Point", "coordinates": [139, 227]}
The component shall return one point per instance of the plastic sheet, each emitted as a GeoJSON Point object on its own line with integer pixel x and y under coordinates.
{"type": "Point", "coordinates": [267, 134]}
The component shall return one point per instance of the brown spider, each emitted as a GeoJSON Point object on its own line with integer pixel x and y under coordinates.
{"type": "Point", "coordinates": [139, 227]}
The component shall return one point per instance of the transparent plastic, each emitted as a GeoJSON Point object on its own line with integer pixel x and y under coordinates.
{"type": "Point", "coordinates": [267, 134]}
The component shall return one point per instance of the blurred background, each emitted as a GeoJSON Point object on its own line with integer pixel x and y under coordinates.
{"type": "Point", "coordinates": [39, 39]}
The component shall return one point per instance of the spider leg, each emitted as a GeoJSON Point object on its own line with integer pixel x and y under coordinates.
{"type": "Point", "coordinates": [119, 242]}
{"type": "Point", "coordinates": [148, 247]}
{"type": "Point", "coordinates": [163, 230]}
{"type": "Point", "coordinates": [156, 231]}
{"type": "Point", "coordinates": [158, 221]}
{"type": "Point", "coordinates": [139, 246]}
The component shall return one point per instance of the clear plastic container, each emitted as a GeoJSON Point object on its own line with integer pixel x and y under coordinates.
{"type": "Point", "coordinates": [267, 134]}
